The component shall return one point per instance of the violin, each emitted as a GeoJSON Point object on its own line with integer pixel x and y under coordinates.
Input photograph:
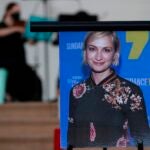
{"type": "Point", "coordinates": [21, 23]}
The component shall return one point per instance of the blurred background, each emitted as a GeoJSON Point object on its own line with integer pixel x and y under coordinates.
{"type": "Point", "coordinates": [101, 10]}
{"type": "Point", "coordinates": [34, 124]}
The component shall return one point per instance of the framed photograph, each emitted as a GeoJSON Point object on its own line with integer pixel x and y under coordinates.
{"type": "Point", "coordinates": [104, 83]}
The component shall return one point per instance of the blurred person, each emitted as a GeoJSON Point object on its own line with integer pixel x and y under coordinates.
{"type": "Point", "coordinates": [23, 84]}
{"type": "Point", "coordinates": [104, 108]}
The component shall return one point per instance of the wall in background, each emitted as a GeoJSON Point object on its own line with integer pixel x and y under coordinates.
{"type": "Point", "coordinates": [104, 9]}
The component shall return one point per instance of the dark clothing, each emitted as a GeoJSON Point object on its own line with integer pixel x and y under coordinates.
{"type": "Point", "coordinates": [99, 115]}
{"type": "Point", "coordinates": [12, 49]}
{"type": "Point", "coordinates": [23, 84]}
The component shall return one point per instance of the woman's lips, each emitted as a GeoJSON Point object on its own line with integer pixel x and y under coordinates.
{"type": "Point", "coordinates": [98, 63]}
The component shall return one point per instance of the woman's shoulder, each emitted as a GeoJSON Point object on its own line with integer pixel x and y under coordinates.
{"type": "Point", "coordinates": [129, 84]}
{"type": "Point", "coordinates": [80, 83]}
{"type": "Point", "coordinates": [79, 89]}
{"type": "Point", "coordinates": [132, 94]}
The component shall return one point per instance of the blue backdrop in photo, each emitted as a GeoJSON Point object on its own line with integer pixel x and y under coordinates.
{"type": "Point", "coordinates": [134, 60]}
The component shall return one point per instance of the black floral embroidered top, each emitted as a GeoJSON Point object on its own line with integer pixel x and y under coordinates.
{"type": "Point", "coordinates": [105, 114]}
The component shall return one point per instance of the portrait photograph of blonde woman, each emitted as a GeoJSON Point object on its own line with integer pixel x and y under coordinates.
{"type": "Point", "coordinates": [104, 89]}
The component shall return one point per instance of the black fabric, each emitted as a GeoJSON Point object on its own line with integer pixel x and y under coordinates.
{"type": "Point", "coordinates": [12, 49]}
{"type": "Point", "coordinates": [109, 106]}
{"type": "Point", "coordinates": [23, 83]}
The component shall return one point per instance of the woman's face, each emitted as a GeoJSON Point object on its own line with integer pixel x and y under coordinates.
{"type": "Point", "coordinates": [12, 14]}
{"type": "Point", "coordinates": [14, 10]}
{"type": "Point", "coordinates": [100, 53]}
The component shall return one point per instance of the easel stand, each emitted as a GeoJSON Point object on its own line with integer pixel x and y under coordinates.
{"type": "Point", "coordinates": [104, 148]}
{"type": "Point", "coordinates": [71, 148]}
{"type": "Point", "coordinates": [139, 147]}
{"type": "Point", "coordinates": [92, 26]}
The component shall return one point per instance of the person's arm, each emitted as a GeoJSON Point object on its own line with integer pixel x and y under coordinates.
{"type": "Point", "coordinates": [10, 30]}
{"type": "Point", "coordinates": [137, 117]}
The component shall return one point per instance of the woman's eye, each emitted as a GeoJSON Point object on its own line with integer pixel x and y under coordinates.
{"type": "Point", "coordinates": [107, 50]}
{"type": "Point", "coordinates": [91, 48]}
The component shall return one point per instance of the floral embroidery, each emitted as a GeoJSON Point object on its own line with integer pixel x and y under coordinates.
{"type": "Point", "coordinates": [124, 139]}
{"type": "Point", "coordinates": [109, 87]}
{"type": "Point", "coordinates": [122, 142]}
{"type": "Point", "coordinates": [116, 94]}
{"type": "Point", "coordinates": [79, 90]}
{"type": "Point", "coordinates": [71, 120]}
{"type": "Point", "coordinates": [136, 102]}
{"type": "Point", "coordinates": [92, 132]}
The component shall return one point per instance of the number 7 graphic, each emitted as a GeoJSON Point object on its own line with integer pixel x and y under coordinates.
{"type": "Point", "coordinates": [139, 40]}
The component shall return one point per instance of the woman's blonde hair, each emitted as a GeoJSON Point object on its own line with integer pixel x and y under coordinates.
{"type": "Point", "coordinates": [99, 34]}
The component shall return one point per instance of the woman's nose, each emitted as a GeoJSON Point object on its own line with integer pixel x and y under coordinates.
{"type": "Point", "coordinates": [98, 55]}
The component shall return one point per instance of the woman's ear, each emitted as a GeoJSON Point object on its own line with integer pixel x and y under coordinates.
{"type": "Point", "coordinates": [116, 59]}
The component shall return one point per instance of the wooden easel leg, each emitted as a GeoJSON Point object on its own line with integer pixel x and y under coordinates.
{"type": "Point", "coordinates": [70, 147]}
{"type": "Point", "coordinates": [104, 148]}
{"type": "Point", "coordinates": [140, 146]}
